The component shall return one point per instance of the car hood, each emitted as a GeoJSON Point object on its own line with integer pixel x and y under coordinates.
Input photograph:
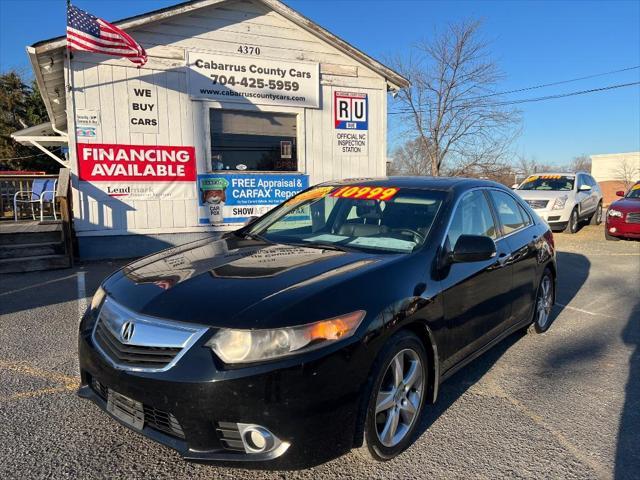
{"type": "Point", "coordinates": [627, 205]}
{"type": "Point", "coordinates": [241, 283]}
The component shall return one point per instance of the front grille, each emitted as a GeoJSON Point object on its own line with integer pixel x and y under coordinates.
{"type": "Point", "coordinates": [554, 218]}
{"type": "Point", "coordinates": [132, 355]}
{"type": "Point", "coordinates": [150, 416]}
{"type": "Point", "coordinates": [229, 436]}
{"type": "Point", "coordinates": [537, 204]}
{"type": "Point", "coordinates": [633, 217]}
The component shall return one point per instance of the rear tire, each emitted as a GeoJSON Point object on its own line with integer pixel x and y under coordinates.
{"type": "Point", "coordinates": [596, 218]}
{"type": "Point", "coordinates": [545, 297]}
{"type": "Point", "coordinates": [396, 397]}
{"type": "Point", "coordinates": [572, 224]}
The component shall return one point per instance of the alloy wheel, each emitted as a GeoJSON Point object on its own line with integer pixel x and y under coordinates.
{"type": "Point", "coordinates": [399, 398]}
{"type": "Point", "coordinates": [544, 302]}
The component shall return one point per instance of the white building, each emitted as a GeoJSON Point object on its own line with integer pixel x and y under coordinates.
{"type": "Point", "coordinates": [241, 104]}
{"type": "Point", "coordinates": [615, 172]}
{"type": "Point", "coordinates": [615, 166]}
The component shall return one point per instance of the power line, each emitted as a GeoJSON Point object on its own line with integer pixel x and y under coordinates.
{"type": "Point", "coordinates": [570, 94]}
{"type": "Point", "coordinates": [26, 156]}
{"type": "Point", "coordinates": [538, 99]}
{"type": "Point", "coordinates": [543, 85]}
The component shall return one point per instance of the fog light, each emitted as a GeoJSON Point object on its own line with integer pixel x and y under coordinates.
{"type": "Point", "coordinates": [613, 229]}
{"type": "Point", "coordinates": [257, 439]}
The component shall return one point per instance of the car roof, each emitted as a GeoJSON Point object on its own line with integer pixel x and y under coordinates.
{"type": "Point", "coordinates": [570, 174]}
{"type": "Point", "coordinates": [426, 183]}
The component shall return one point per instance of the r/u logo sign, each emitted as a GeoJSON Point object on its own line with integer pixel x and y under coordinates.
{"type": "Point", "coordinates": [350, 111]}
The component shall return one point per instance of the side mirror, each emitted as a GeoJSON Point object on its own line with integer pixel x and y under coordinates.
{"type": "Point", "coordinates": [584, 188]}
{"type": "Point", "coordinates": [514, 186]}
{"type": "Point", "coordinates": [473, 248]}
{"type": "Point", "coordinates": [620, 193]}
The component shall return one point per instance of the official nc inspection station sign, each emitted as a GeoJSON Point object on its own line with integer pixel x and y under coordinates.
{"type": "Point", "coordinates": [351, 123]}
{"type": "Point", "coordinates": [232, 198]}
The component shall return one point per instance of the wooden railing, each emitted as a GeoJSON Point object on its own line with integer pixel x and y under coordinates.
{"type": "Point", "coordinates": [9, 185]}
{"type": "Point", "coordinates": [63, 198]}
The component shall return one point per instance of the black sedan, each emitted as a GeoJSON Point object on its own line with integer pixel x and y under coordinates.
{"type": "Point", "coordinates": [327, 324]}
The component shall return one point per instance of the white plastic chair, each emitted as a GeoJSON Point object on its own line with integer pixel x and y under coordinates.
{"type": "Point", "coordinates": [42, 191]}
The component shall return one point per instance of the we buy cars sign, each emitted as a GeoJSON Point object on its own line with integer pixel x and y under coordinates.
{"type": "Point", "coordinates": [136, 163]}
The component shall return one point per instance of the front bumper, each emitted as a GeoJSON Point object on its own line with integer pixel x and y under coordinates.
{"type": "Point", "coordinates": [310, 402]}
{"type": "Point", "coordinates": [556, 219]}
{"type": "Point", "coordinates": [621, 228]}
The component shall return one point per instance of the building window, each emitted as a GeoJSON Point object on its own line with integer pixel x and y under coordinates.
{"type": "Point", "coordinates": [253, 141]}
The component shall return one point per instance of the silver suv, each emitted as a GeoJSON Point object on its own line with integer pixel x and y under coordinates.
{"type": "Point", "coordinates": [563, 200]}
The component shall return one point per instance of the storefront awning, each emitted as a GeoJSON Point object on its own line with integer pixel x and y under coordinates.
{"type": "Point", "coordinates": [41, 136]}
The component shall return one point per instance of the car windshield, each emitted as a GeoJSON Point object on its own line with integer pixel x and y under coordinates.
{"type": "Point", "coordinates": [548, 182]}
{"type": "Point", "coordinates": [385, 219]}
{"type": "Point", "coordinates": [634, 192]}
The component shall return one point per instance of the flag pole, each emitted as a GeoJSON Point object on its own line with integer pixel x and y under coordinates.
{"type": "Point", "coordinates": [69, 75]}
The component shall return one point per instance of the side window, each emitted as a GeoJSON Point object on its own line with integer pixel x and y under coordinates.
{"type": "Point", "coordinates": [581, 181]}
{"type": "Point", "coordinates": [525, 215]}
{"type": "Point", "coordinates": [472, 217]}
{"type": "Point", "coordinates": [509, 212]}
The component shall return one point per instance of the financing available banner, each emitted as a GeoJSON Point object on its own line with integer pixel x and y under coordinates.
{"type": "Point", "coordinates": [232, 198]}
{"type": "Point", "coordinates": [135, 163]}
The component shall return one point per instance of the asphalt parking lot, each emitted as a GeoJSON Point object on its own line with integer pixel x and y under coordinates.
{"type": "Point", "coordinates": [565, 404]}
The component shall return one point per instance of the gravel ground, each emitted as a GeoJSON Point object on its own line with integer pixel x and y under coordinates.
{"type": "Point", "coordinates": [565, 404]}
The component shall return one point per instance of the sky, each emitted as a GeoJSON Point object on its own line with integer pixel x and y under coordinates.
{"type": "Point", "coordinates": [533, 42]}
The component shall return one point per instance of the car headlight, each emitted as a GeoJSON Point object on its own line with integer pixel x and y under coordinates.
{"type": "Point", "coordinates": [98, 298]}
{"type": "Point", "coordinates": [560, 202]}
{"type": "Point", "coordinates": [246, 346]}
{"type": "Point", "coordinates": [614, 213]}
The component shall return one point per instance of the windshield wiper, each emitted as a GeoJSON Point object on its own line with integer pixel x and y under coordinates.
{"type": "Point", "coordinates": [325, 246]}
{"type": "Point", "coordinates": [252, 236]}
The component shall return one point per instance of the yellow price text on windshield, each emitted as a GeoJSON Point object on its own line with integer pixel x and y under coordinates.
{"type": "Point", "coordinates": [312, 194]}
{"type": "Point", "coordinates": [366, 193]}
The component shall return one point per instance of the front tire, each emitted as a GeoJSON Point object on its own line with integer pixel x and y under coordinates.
{"type": "Point", "coordinates": [572, 225]}
{"type": "Point", "coordinates": [544, 302]}
{"type": "Point", "coordinates": [396, 397]}
{"type": "Point", "coordinates": [596, 218]}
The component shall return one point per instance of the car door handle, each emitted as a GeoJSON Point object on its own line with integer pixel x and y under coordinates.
{"type": "Point", "coordinates": [503, 258]}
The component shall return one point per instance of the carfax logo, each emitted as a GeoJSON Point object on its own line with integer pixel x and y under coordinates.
{"type": "Point", "coordinates": [351, 111]}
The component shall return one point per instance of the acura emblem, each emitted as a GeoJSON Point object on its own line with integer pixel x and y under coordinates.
{"type": "Point", "coordinates": [126, 332]}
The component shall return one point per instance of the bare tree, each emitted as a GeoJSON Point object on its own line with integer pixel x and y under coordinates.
{"type": "Point", "coordinates": [628, 172]}
{"type": "Point", "coordinates": [410, 158]}
{"type": "Point", "coordinates": [450, 107]}
{"type": "Point", "coordinates": [526, 166]}
{"type": "Point", "coordinates": [581, 163]}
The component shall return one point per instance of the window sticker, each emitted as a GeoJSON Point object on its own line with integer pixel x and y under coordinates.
{"type": "Point", "coordinates": [366, 193]}
{"type": "Point", "coordinates": [313, 194]}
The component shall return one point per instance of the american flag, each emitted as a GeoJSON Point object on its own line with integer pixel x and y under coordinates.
{"type": "Point", "coordinates": [92, 34]}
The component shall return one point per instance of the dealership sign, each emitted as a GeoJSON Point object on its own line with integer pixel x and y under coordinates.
{"type": "Point", "coordinates": [135, 163]}
{"type": "Point", "coordinates": [233, 198]}
{"type": "Point", "coordinates": [351, 123]}
{"type": "Point", "coordinates": [227, 78]}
